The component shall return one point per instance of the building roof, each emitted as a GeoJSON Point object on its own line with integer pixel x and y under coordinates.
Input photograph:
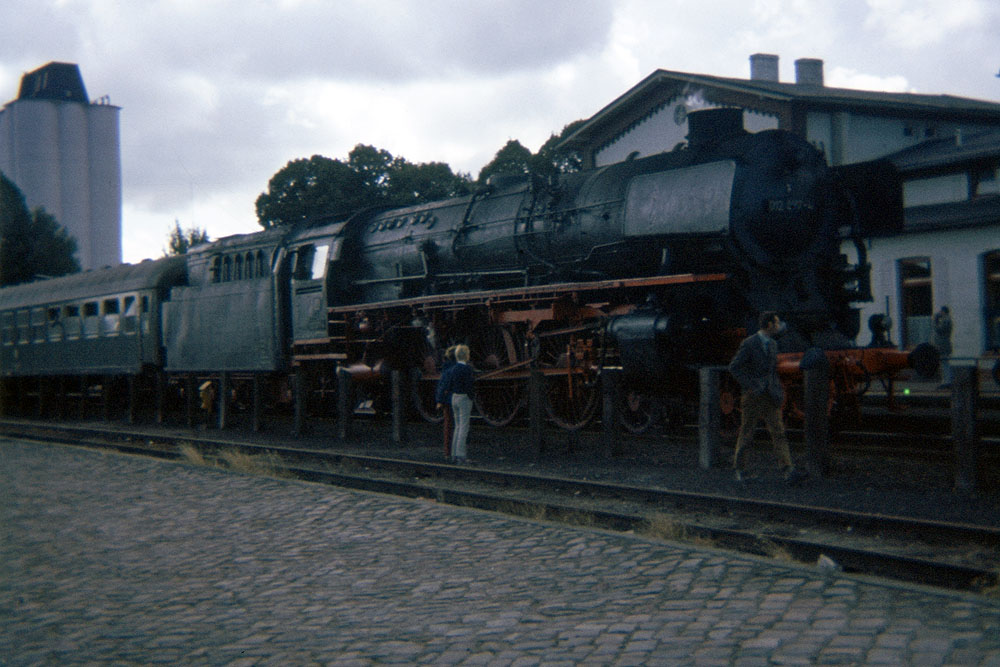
{"type": "Point", "coordinates": [978, 212]}
{"type": "Point", "coordinates": [54, 81]}
{"type": "Point", "coordinates": [663, 84]}
{"type": "Point", "coordinates": [957, 149]}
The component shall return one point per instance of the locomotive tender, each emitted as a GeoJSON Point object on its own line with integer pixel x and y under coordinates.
{"type": "Point", "coordinates": [654, 265]}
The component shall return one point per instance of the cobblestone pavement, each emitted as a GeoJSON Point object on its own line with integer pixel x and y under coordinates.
{"type": "Point", "coordinates": [115, 559]}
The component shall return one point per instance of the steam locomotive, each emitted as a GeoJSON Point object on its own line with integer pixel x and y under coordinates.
{"type": "Point", "coordinates": [656, 266]}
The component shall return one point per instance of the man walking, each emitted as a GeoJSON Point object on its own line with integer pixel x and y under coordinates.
{"type": "Point", "coordinates": [755, 367]}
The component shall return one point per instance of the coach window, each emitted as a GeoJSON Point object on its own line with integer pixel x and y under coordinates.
{"type": "Point", "coordinates": [303, 262]}
{"type": "Point", "coordinates": [248, 267]}
{"type": "Point", "coordinates": [916, 298]}
{"type": "Point", "coordinates": [39, 328]}
{"type": "Point", "coordinates": [111, 317]}
{"type": "Point", "coordinates": [261, 266]}
{"type": "Point", "coordinates": [238, 268]}
{"type": "Point", "coordinates": [130, 314]}
{"type": "Point", "coordinates": [227, 269]}
{"type": "Point", "coordinates": [23, 327]}
{"type": "Point", "coordinates": [991, 298]}
{"type": "Point", "coordinates": [9, 328]}
{"type": "Point", "coordinates": [71, 322]}
{"type": "Point", "coordinates": [319, 261]}
{"type": "Point", "coordinates": [55, 325]}
{"type": "Point", "coordinates": [91, 325]}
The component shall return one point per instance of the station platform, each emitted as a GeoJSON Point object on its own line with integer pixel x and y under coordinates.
{"type": "Point", "coordinates": [115, 559]}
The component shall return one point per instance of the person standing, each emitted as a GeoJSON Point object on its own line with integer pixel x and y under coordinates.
{"type": "Point", "coordinates": [461, 379]}
{"type": "Point", "coordinates": [442, 396]}
{"type": "Point", "coordinates": [755, 367]}
{"type": "Point", "coordinates": [942, 341]}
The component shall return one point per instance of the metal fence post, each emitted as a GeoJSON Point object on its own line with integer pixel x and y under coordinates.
{"type": "Point", "coordinates": [223, 399]}
{"type": "Point", "coordinates": [709, 415]}
{"type": "Point", "coordinates": [816, 399]}
{"type": "Point", "coordinates": [344, 406]}
{"type": "Point", "coordinates": [398, 408]}
{"type": "Point", "coordinates": [536, 413]}
{"type": "Point", "coordinates": [610, 417]}
{"type": "Point", "coordinates": [964, 431]}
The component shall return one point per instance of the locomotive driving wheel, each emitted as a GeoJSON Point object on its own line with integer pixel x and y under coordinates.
{"type": "Point", "coordinates": [572, 392]}
{"type": "Point", "coordinates": [423, 385]}
{"type": "Point", "coordinates": [499, 396]}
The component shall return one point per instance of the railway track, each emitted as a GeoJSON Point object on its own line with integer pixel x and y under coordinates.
{"type": "Point", "coordinates": [944, 554]}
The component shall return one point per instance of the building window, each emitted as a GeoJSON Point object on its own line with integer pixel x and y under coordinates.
{"type": "Point", "coordinates": [916, 299]}
{"type": "Point", "coordinates": [991, 298]}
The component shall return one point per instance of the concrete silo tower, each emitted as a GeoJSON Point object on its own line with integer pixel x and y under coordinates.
{"type": "Point", "coordinates": [63, 152]}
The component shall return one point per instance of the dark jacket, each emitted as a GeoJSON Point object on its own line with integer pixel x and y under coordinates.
{"type": "Point", "coordinates": [461, 379]}
{"type": "Point", "coordinates": [458, 378]}
{"type": "Point", "coordinates": [442, 394]}
{"type": "Point", "coordinates": [755, 367]}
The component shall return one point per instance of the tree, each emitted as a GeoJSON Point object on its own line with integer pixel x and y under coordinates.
{"type": "Point", "coordinates": [513, 158]}
{"type": "Point", "coordinates": [550, 160]}
{"type": "Point", "coordinates": [181, 240]}
{"type": "Point", "coordinates": [371, 177]}
{"type": "Point", "coordinates": [32, 244]}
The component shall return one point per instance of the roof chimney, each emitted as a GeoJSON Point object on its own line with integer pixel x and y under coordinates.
{"type": "Point", "coordinates": [764, 67]}
{"type": "Point", "coordinates": [809, 72]}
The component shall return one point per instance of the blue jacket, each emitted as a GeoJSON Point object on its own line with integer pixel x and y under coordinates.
{"type": "Point", "coordinates": [442, 394]}
{"type": "Point", "coordinates": [457, 379]}
{"type": "Point", "coordinates": [755, 367]}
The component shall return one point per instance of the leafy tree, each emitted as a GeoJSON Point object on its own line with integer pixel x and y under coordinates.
{"type": "Point", "coordinates": [547, 163]}
{"type": "Point", "coordinates": [319, 186]}
{"type": "Point", "coordinates": [513, 158]}
{"type": "Point", "coordinates": [551, 160]}
{"type": "Point", "coordinates": [181, 240]}
{"type": "Point", "coordinates": [32, 244]}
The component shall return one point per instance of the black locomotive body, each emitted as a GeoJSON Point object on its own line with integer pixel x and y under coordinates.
{"type": "Point", "coordinates": [655, 265]}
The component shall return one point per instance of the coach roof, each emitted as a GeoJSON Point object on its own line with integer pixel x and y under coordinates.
{"type": "Point", "coordinates": [149, 274]}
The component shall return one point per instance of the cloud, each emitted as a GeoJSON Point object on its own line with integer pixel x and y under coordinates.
{"type": "Point", "coordinates": [914, 24]}
{"type": "Point", "coordinates": [218, 95]}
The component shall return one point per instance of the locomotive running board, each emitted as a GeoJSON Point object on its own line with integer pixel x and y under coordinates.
{"type": "Point", "coordinates": [534, 292]}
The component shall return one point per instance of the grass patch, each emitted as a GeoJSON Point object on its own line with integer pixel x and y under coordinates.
{"type": "Point", "coordinates": [665, 527]}
{"type": "Point", "coordinates": [776, 551]}
{"type": "Point", "coordinates": [192, 454]}
{"type": "Point", "coordinates": [268, 464]}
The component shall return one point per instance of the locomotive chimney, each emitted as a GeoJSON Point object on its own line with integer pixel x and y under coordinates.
{"type": "Point", "coordinates": [809, 72]}
{"type": "Point", "coordinates": [709, 126]}
{"type": "Point", "coordinates": [764, 67]}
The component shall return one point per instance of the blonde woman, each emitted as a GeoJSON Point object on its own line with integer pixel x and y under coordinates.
{"type": "Point", "coordinates": [460, 383]}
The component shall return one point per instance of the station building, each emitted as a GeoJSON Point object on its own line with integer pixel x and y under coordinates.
{"type": "Point", "coordinates": [947, 149]}
{"type": "Point", "coordinates": [63, 152]}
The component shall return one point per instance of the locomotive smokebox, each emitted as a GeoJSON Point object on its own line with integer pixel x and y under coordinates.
{"type": "Point", "coordinates": [711, 126]}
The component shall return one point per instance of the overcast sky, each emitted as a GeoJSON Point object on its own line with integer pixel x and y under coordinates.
{"type": "Point", "coordinates": [216, 96]}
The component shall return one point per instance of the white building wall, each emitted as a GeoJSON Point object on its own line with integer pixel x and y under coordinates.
{"type": "Point", "coordinates": [666, 127]}
{"type": "Point", "coordinates": [956, 280]}
{"type": "Point", "coordinates": [65, 156]}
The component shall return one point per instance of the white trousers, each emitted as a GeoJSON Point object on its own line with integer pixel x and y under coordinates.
{"type": "Point", "coordinates": [461, 408]}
